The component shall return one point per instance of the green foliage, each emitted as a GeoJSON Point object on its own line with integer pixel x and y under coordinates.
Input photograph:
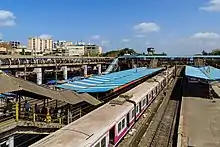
{"type": "Point", "coordinates": [113, 53]}
{"type": "Point", "coordinates": [126, 51]}
{"type": "Point", "coordinates": [215, 52]}
{"type": "Point", "coordinates": [121, 52]}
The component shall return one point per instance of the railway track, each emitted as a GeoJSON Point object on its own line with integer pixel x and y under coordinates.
{"type": "Point", "coordinates": [133, 138]}
{"type": "Point", "coordinates": [156, 126]}
{"type": "Point", "coordinates": [161, 130]}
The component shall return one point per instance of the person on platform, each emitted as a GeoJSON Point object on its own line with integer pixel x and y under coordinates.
{"type": "Point", "coordinates": [8, 107]}
{"type": "Point", "coordinates": [27, 108]}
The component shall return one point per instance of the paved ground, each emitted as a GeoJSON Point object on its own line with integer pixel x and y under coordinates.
{"type": "Point", "coordinates": [201, 121]}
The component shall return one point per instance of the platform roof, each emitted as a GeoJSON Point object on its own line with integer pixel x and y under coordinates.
{"type": "Point", "coordinates": [104, 83]}
{"type": "Point", "coordinates": [19, 86]}
{"type": "Point", "coordinates": [207, 72]}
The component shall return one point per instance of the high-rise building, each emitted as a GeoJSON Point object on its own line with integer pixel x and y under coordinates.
{"type": "Point", "coordinates": [40, 45]}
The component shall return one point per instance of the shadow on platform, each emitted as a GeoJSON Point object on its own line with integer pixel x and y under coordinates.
{"type": "Point", "coordinates": [198, 90]}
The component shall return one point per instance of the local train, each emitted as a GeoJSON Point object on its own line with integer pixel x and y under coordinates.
{"type": "Point", "coordinates": [108, 124]}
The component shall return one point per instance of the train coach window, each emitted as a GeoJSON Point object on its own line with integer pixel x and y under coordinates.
{"type": "Point", "coordinates": [137, 109]}
{"type": "Point", "coordinates": [119, 127]}
{"type": "Point", "coordinates": [132, 113]}
{"type": "Point", "coordinates": [123, 123]}
{"type": "Point", "coordinates": [97, 145]}
{"type": "Point", "coordinates": [144, 102]}
{"type": "Point", "coordinates": [103, 142]}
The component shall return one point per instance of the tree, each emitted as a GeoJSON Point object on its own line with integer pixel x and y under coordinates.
{"type": "Point", "coordinates": [126, 51]}
{"type": "Point", "coordinates": [215, 52]}
{"type": "Point", "coordinates": [121, 52]}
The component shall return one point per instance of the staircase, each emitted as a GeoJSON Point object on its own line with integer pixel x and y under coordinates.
{"type": "Point", "coordinates": [112, 67]}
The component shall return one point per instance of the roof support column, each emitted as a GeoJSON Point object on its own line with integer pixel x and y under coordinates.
{"type": "Point", "coordinates": [69, 114]}
{"type": "Point", "coordinates": [99, 69]}
{"type": "Point", "coordinates": [65, 72]}
{"type": "Point", "coordinates": [39, 75]}
{"type": "Point", "coordinates": [25, 70]}
{"type": "Point", "coordinates": [11, 141]}
{"type": "Point", "coordinates": [16, 74]}
{"type": "Point", "coordinates": [85, 70]}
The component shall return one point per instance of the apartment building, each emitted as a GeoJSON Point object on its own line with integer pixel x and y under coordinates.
{"type": "Point", "coordinates": [40, 45]}
{"type": "Point", "coordinates": [74, 50]}
{"type": "Point", "coordinates": [92, 50]}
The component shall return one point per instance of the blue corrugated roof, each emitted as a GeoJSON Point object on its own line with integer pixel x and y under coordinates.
{"type": "Point", "coordinates": [107, 82]}
{"type": "Point", "coordinates": [207, 72]}
{"type": "Point", "coordinates": [195, 72]}
{"type": "Point", "coordinates": [2, 96]}
{"type": "Point", "coordinates": [212, 72]}
{"type": "Point", "coordinates": [7, 94]}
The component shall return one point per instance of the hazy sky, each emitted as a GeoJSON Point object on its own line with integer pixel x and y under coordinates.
{"type": "Point", "coordinates": [173, 26]}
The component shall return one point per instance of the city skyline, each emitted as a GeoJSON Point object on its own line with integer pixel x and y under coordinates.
{"type": "Point", "coordinates": [175, 27]}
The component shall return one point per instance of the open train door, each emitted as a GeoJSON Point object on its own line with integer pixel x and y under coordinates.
{"type": "Point", "coordinates": [112, 136]}
{"type": "Point", "coordinates": [128, 120]}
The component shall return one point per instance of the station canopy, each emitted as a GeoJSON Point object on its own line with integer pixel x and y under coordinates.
{"type": "Point", "coordinates": [207, 73]}
{"type": "Point", "coordinates": [104, 83]}
{"type": "Point", "coordinates": [25, 88]}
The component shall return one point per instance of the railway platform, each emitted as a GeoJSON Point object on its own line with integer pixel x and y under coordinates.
{"type": "Point", "coordinates": [199, 123]}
